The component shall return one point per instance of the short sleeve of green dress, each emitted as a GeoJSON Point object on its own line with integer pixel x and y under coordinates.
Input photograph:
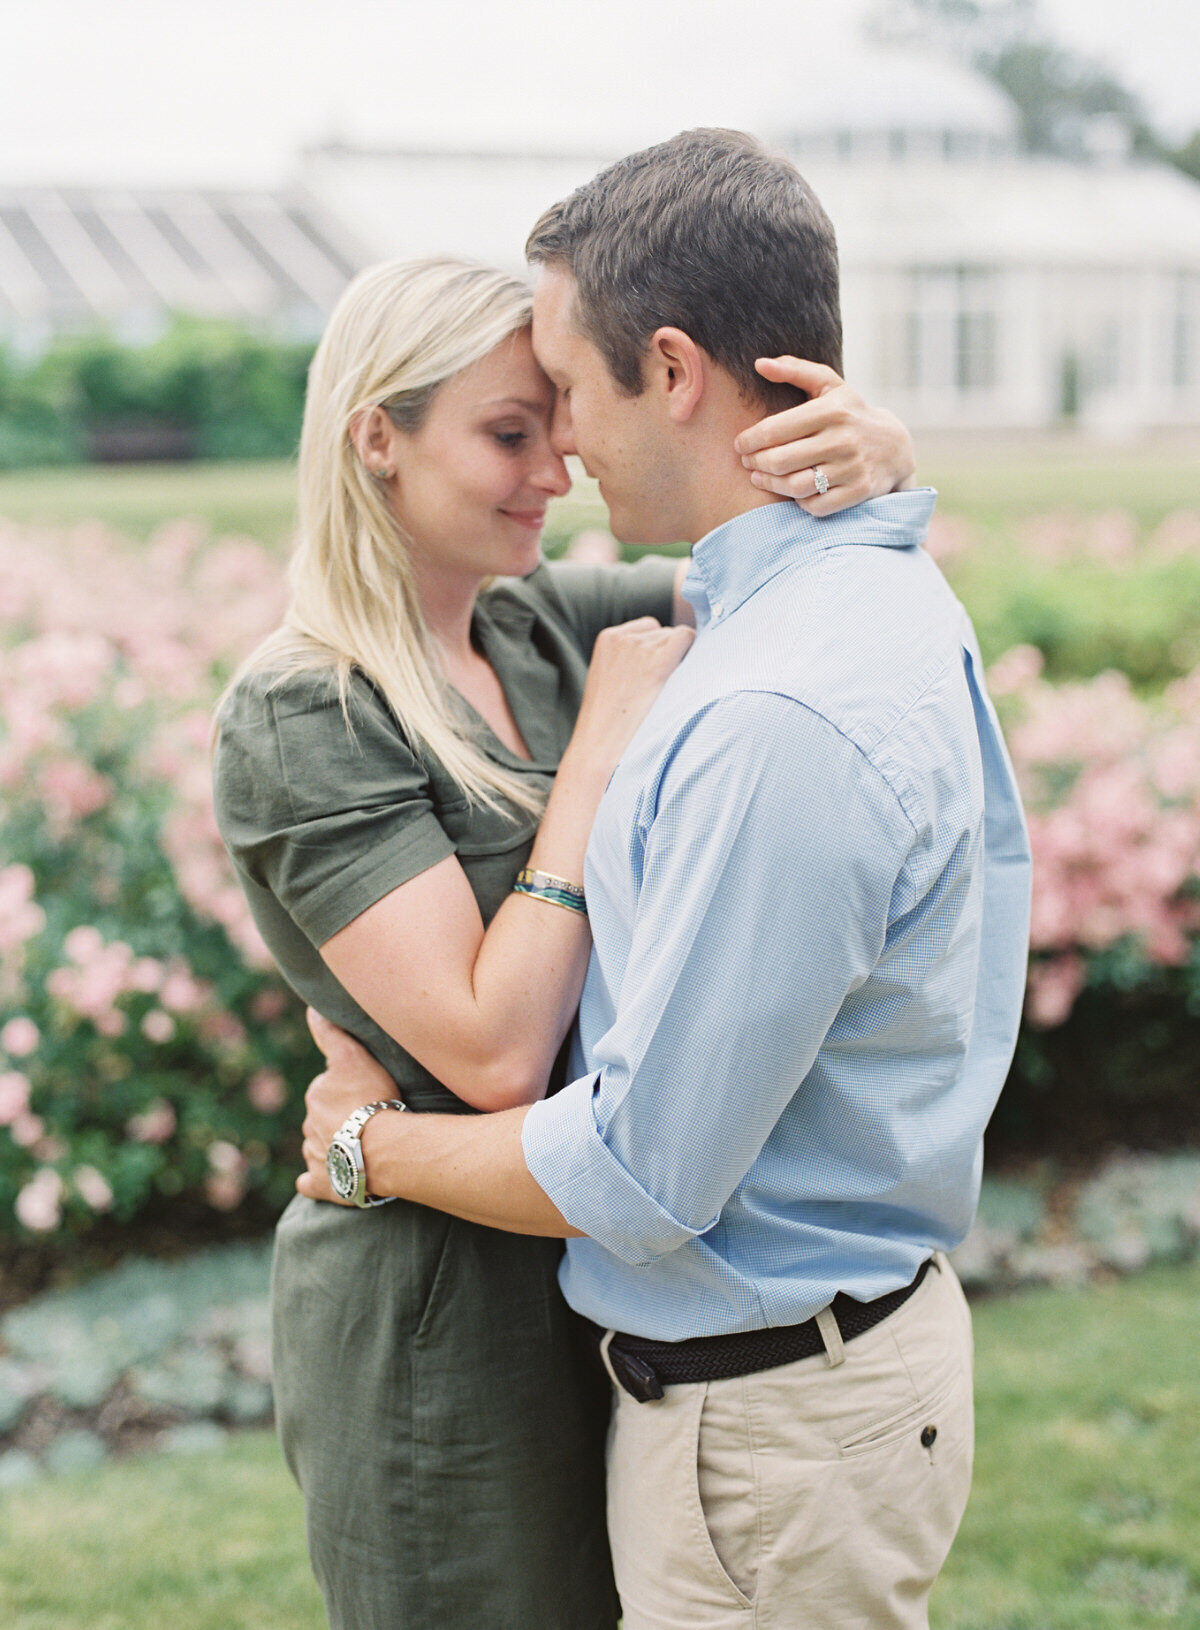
{"type": "Point", "coordinates": [432, 1397]}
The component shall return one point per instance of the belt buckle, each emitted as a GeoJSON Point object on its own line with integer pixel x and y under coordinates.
{"type": "Point", "coordinates": [636, 1375]}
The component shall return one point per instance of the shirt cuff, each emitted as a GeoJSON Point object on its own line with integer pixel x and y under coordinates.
{"type": "Point", "coordinates": [568, 1158]}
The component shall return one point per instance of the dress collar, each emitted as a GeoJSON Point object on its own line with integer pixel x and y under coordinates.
{"type": "Point", "coordinates": [733, 561]}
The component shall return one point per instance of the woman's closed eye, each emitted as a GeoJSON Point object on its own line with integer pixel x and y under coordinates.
{"type": "Point", "coordinates": [512, 439]}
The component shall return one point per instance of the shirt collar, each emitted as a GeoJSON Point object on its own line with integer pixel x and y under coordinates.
{"type": "Point", "coordinates": [733, 561]}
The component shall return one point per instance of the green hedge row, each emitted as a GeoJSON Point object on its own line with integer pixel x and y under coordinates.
{"type": "Point", "coordinates": [203, 389]}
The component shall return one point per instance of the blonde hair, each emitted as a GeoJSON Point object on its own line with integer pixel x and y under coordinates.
{"type": "Point", "coordinates": [399, 332]}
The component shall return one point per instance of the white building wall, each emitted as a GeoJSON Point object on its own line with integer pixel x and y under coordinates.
{"type": "Point", "coordinates": [480, 206]}
{"type": "Point", "coordinates": [971, 284]}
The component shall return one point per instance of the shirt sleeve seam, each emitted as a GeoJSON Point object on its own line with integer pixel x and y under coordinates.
{"type": "Point", "coordinates": [355, 886]}
{"type": "Point", "coordinates": [877, 772]}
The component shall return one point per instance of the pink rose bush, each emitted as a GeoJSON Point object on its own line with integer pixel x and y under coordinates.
{"type": "Point", "coordinates": [151, 1056]}
{"type": "Point", "coordinates": [148, 1051]}
{"type": "Point", "coordinates": [1111, 783]}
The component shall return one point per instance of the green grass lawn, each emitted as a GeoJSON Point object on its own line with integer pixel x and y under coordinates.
{"type": "Point", "coordinates": [1086, 1509]}
{"type": "Point", "coordinates": [1085, 1513]}
{"type": "Point", "coordinates": [991, 482]}
{"type": "Point", "coordinates": [996, 482]}
{"type": "Point", "coordinates": [254, 499]}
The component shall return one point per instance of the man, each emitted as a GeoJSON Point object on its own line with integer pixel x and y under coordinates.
{"type": "Point", "coordinates": [808, 889]}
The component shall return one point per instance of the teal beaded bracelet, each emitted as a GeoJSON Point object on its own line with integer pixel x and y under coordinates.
{"type": "Point", "coordinates": [556, 891]}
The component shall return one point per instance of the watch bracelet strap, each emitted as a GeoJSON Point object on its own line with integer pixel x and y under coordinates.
{"type": "Point", "coordinates": [353, 1126]}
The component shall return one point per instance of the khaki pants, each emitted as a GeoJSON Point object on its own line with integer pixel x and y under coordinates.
{"type": "Point", "coordinates": [816, 1496]}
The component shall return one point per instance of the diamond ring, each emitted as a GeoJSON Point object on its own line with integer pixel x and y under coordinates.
{"type": "Point", "coordinates": [821, 480]}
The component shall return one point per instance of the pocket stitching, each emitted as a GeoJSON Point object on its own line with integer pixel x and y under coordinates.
{"type": "Point", "coordinates": [701, 1521]}
{"type": "Point", "coordinates": [890, 1430]}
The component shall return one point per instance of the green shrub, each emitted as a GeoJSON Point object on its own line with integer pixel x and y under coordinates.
{"type": "Point", "coordinates": [237, 394]}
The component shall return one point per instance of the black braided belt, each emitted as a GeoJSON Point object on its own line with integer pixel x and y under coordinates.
{"type": "Point", "coordinates": [645, 1367]}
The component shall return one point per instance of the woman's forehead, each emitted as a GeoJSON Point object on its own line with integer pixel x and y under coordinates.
{"type": "Point", "coordinates": [507, 374]}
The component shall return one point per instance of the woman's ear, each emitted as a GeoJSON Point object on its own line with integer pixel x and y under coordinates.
{"type": "Point", "coordinates": [676, 366]}
{"type": "Point", "coordinates": [372, 433]}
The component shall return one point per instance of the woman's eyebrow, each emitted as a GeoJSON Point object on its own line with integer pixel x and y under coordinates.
{"type": "Point", "coordinates": [517, 401]}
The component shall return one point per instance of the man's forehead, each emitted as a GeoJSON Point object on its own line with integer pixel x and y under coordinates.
{"type": "Point", "coordinates": [554, 306]}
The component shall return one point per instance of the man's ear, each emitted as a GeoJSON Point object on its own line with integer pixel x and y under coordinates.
{"type": "Point", "coordinates": [676, 366]}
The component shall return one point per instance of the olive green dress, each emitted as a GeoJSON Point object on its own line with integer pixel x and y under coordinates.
{"type": "Point", "coordinates": [433, 1399]}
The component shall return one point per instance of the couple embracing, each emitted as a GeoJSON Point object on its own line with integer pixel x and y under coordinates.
{"type": "Point", "coordinates": [796, 940]}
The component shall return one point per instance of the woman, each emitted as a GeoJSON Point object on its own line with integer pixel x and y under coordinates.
{"type": "Point", "coordinates": [388, 763]}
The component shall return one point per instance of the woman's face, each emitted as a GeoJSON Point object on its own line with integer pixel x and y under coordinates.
{"type": "Point", "coordinates": [471, 486]}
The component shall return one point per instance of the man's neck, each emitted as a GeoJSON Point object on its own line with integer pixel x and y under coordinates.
{"type": "Point", "coordinates": [717, 485]}
{"type": "Point", "coordinates": [715, 509]}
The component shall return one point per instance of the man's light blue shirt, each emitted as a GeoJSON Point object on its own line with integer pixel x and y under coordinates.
{"type": "Point", "coordinates": [808, 885]}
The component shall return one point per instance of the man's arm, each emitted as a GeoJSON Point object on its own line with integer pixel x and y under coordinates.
{"type": "Point", "coordinates": [768, 868]}
{"type": "Point", "coordinates": [472, 1166]}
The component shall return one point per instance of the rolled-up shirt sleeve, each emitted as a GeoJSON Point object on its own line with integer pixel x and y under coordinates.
{"type": "Point", "coordinates": [764, 879]}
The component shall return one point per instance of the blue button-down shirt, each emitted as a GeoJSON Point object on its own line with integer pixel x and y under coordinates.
{"type": "Point", "coordinates": [808, 885]}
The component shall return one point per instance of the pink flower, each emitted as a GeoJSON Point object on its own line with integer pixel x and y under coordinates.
{"type": "Point", "coordinates": [268, 1006]}
{"type": "Point", "coordinates": [83, 945]}
{"type": "Point", "coordinates": [594, 547]}
{"type": "Point", "coordinates": [225, 1186]}
{"type": "Point", "coordinates": [155, 1124]}
{"type": "Point", "coordinates": [27, 1130]}
{"type": "Point", "coordinates": [146, 975]}
{"type": "Point", "coordinates": [1053, 987]}
{"type": "Point", "coordinates": [223, 1030]}
{"type": "Point", "coordinates": [1016, 670]}
{"type": "Point", "coordinates": [1178, 534]}
{"type": "Point", "coordinates": [267, 1091]}
{"type": "Point", "coordinates": [225, 1158]}
{"type": "Point", "coordinates": [1112, 536]}
{"type": "Point", "coordinates": [181, 992]}
{"type": "Point", "coordinates": [39, 1204]}
{"type": "Point", "coordinates": [92, 1187]}
{"type": "Point", "coordinates": [66, 670]}
{"type": "Point", "coordinates": [72, 791]}
{"type": "Point", "coordinates": [949, 538]}
{"type": "Point", "coordinates": [14, 1096]}
{"type": "Point", "coordinates": [158, 1027]}
{"type": "Point", "coordinates": [21, 919]}
{"type": "Point", "coordinates": [20, 1037]}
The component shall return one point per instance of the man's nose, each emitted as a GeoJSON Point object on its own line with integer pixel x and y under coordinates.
{"type": "Point", "coordinates": [562, 433]}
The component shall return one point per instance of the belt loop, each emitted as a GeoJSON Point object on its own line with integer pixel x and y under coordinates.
{"type": "Point", "coordinates": [605, 1344]}
{"type": "Point", "coordinates": [835, 1351]}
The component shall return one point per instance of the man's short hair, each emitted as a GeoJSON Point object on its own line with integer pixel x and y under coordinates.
{"type": "Point", "coordinates": [710, 233]}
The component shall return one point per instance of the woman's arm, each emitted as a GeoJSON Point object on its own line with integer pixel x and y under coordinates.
{"type": "Point", "coordinates": [863, 451]}
{"type": "Point", "coordinates": [487, 1012]}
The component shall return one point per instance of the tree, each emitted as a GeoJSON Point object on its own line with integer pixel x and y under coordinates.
{"type": "Point", "coordinates": [1070, 105]}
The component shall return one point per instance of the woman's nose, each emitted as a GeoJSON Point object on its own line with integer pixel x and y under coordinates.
{"type": "Point", "coordinates": [553, 476]}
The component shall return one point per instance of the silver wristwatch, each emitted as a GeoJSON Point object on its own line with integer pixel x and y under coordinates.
{"type": "Point", "coordinates": [344, 1157]}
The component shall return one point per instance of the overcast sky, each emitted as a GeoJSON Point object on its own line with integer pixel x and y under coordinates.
{"type": "Point", "coordinates": [227, 90]}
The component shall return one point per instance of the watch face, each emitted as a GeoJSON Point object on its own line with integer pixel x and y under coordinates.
{"type": "Point", "coordinates": [342, 1172]}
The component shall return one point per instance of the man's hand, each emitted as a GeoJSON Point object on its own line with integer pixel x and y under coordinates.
{"type": "Point", "coordinates": [351, 1079]}
{"type": "Point", "coordinates": [472, 1166]}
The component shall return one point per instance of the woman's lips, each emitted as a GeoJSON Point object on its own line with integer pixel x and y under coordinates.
{"type": "Point", "coordinates": [534, 519]}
